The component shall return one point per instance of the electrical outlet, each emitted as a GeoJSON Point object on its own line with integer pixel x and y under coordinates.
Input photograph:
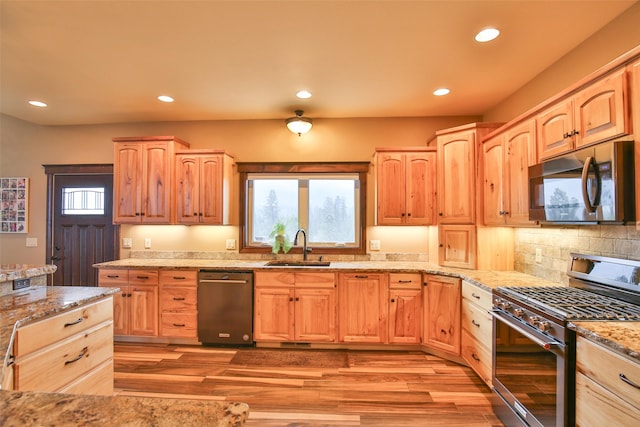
{"type": "Point", "coordinates": [147, 243]}
{"type": "Point", "coordinates": [374, 245]}
{"type": "Point", "coordinates": [127, 242]}
{"type": "Point", "coordinates": [538, 256]}
{"type": "Point", "coordinates": [231, 243]}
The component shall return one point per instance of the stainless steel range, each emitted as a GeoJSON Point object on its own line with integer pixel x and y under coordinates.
{"type": "Point", "coordinates": [534, 352]}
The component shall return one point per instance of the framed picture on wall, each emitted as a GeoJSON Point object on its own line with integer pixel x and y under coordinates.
{"type": "Point", "coordinates": [14, 205]}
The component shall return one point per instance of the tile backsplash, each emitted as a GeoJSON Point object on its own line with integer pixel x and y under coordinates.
{"type": "Point", "coordinates": [556, 243]}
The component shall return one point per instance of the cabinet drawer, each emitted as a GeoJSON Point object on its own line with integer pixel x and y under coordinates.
{"type": "Point", "coordinates": [597, 406]}
{"type": "Point", "coordinates": [40, 334]}
{"type": "Point", "coordinates": [178, 277]}
{"type": "Point", "coordinates": [113, 277]}
{"type": "Point", "coordinates": [178, 298]}
{"type": "Point", "coordinates": [478, 356]}
{"type": "Point", "coordinates": [274, 279]}
{"type": "Point", "coordinates": [98, 381]}
{"type": "Point", "coordinates": [179, 325]}
{"type": "Point", "coordinates": [315, 280]}
{"type": "Point", "coordinates": [143, 277]}
{"type": "Point", "coordinates": [477, 295]}
{"type": "Point", "coordinates": [55, 366]}
{"type": "Point", "coordinates": [405, 281]}
{"type": "Point", "coordinates": [604, 367]}
{"type": "Point", "coordinates": [477, 322]}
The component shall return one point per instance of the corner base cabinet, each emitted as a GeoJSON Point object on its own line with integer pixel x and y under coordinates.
{"type": "Point", "coordinates": [441, 316]}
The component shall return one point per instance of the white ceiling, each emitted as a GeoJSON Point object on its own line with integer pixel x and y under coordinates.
{"type": "Point", "coordinates": [105, 61]}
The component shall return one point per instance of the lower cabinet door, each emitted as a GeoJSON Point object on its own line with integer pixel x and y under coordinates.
{"type": "Point", "coordinates": [98, 381]}
{"type": "Point", "coordinates": [315, 315]}
{"type": "Point", "coordinates": [180, 325]}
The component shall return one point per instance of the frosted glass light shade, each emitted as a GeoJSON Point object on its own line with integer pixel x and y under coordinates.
{"type": "Point", "coordinates": [299, 124]}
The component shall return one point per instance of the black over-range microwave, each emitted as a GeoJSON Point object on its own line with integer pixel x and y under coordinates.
{"type": "Point", "coordinates": [594, 184]}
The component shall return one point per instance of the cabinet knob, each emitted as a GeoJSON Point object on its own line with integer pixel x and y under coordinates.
{"type": "Point", "coordinates": [439, 213]}
{"type": "Point", "coordinates": [409, 214]}
{"type": "Point", "coordinates": [393, 300]}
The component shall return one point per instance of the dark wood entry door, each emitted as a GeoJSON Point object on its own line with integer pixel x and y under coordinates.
{"type": "Point", "coordinates": [82, 231]}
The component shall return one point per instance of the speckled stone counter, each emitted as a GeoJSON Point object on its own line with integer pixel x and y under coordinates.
{"type": "Point", "coordinates": [28, 305]}
{"type": "Point", "coordinates": [54, 409]}
{"type": "Point", "coordinates": [10, 272]}
{"type": "Point", "coordinates": [485, 279]}
{"type": "Point", "coordinates": [623, 337]}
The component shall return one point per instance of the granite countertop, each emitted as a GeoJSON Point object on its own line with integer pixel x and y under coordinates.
{"type": "Point", "coordinates": [55, 409]}
{"type": "Point", "coordinates": [485, 279]}
{"type": "Point", "coordinates": [622, 337]}
{"type": "Point", "coordinates": [31, 304]}
{"type": "Point", "coordinates": [22, 271]}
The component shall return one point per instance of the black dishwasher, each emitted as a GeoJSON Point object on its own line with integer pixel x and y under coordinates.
{"type": "Point", "coordinates": [225, 307]}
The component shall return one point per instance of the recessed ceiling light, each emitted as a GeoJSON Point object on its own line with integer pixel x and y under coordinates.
{"type": "Point", "coordinates": [487, 35]}
{"type": "Point", "coordinates": [304, 94]}
{"type": "Point", "coordinates": [441, 92]}
{"type": "Point", "coordinates": [38, 103]}
{"type": "Point", "coordinates": [165, 98]}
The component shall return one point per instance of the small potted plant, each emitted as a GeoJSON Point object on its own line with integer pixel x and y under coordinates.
{"type": "Point", "coordinates": [280, 239]}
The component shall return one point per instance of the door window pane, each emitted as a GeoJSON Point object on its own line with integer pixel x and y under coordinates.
{"type": "Point", "coordinates": [83, 201]}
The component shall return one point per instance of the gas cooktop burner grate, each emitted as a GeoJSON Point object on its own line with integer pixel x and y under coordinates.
{"type": "Point", "coordinates": [574, 303]}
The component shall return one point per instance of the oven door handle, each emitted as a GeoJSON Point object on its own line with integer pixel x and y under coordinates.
{"type": "Point", "coordinates": [538, 339]}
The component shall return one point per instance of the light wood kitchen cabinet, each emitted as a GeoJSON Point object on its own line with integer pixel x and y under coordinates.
{"type": "Point", "coordinates": [143, 174]}
{"type": "Point", "coordinates": [405, 186]}
{"type": "Point", "coordinates": [362, 307]}
{"type": "Point", "coordinates": [295, 306]}
{"type": "Point", "coordinates": [203, 187]}
{"type": "Point", "coordinates": [596, 113]}
{"type": "Point", "coordinates": [178, 303]}
{"type": "Point", "coordinates": [506, 158]}
{"type": "Point", "coordinates": [634, 70]}
{"type": "Point", "coordinates": [603, 397]}
{"type": "Point", "coordinates": [71, 352]}
{"type": "Point", "coordinates": [441, 313]}
{"type": "Point", "coordinates": [457, 246]}
{"type": "Point", "coordinates": [477, 330]}
{"type": "Point", "coordinates": [135, 308]}
{"type": "Point", "coordinates": [456, 172]}
{"type": "Point", "coordinates": [405, 308]}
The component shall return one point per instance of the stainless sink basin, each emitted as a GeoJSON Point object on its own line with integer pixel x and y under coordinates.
{"type": "Point", "coordinates": [298, 263]}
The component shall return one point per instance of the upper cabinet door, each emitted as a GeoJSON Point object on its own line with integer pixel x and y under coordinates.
{"type": "Point", "coordinates": [520, 153]}
{"type": "Point", "coordinates": [456, 178]}
{"type": "Point", "coordinates": [156, 183]}
{"type": "Point", "coordinates": [187, 193]}
{"type": "Point", "coordinates": [555, 130]}
{"type": "Point", "coordinates": [211, 189]}
{"type": "Point", "coordinates": [421, 188]}
{"type": "Point", "coordinates": [127, 185]}
{"type": "Point", "coordinates": [493, 182]}
{"type": "Point", "coordinates": [602, 110]}
{"type": "Point", "coordinates": [390, 188]}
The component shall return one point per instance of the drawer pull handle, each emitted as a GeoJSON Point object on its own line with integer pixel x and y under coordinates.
{"type": "Point", "coordinates": [179, 298]}
{"type": "Point", "coordinates": [405, 281]}
{"type": "Point", "coordinates": [142, 277]}
{"type": "Point", "coordinates": [474, 357]}
{"type": "Point", "coordinates": [113, 276]}
{"type": "Point", "coordinates": [628, 381]}
{"type": "Point", "coordinates": [75, 322]}
{"type": "Point", "coordinates": [474, 323]}
{"type": "Point", "coordinates": [362, 277]}
{"type": "Point", "coordinates": [78, 357]}
{"type": "Point", "coordinates": [473, 294]}
{"type": "Point", "coordinates": [181, 325]}
{"type": "Point", "coordinates": [179, 278]}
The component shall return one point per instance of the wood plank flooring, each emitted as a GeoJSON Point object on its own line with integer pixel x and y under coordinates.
{"type": "Point", "coordinates": [390, 388]}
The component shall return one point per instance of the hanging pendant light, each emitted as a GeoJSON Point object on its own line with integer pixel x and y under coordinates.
{"type": "Point", "coordinates": [299, 124]}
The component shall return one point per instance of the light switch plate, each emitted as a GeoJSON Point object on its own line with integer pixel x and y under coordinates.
{"type": "Point", "coordinates": [32, 242]}
{"type": "Point", "coordinates": [538, 256]}
{"type": "Point", "coordinates": [126, 242]}
{"type": "Point", "coordinates": [374, 245]}
{"type": "Point", "coordinates": [231, 243]}
{"type": "Point", "coordinates": [147, 243]}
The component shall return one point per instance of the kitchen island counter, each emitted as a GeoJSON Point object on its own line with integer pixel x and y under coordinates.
{"type": "Point", "coordinates": [55, 409]}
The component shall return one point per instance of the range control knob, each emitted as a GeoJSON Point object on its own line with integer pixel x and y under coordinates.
{"type": "Point", "coordinates": [534, 320]}
{"type": "Point", "coordinates": [518, 312]}
{"type": "Point", "coordinates": [544, 326]}
{"type": "Point", "coordinates": [505, 305]}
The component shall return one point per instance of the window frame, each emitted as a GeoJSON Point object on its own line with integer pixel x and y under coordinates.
{"type": "Point", "coordinates": [297, 168]}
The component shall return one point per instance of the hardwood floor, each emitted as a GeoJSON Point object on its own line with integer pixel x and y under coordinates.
{"type": "Point", "coordinates": [286, 388]}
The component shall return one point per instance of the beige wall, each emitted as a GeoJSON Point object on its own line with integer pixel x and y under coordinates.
{"type": "Point", "coordinates": [616, 38]}
{"type": "Point", "coordinates": [25, 147]}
